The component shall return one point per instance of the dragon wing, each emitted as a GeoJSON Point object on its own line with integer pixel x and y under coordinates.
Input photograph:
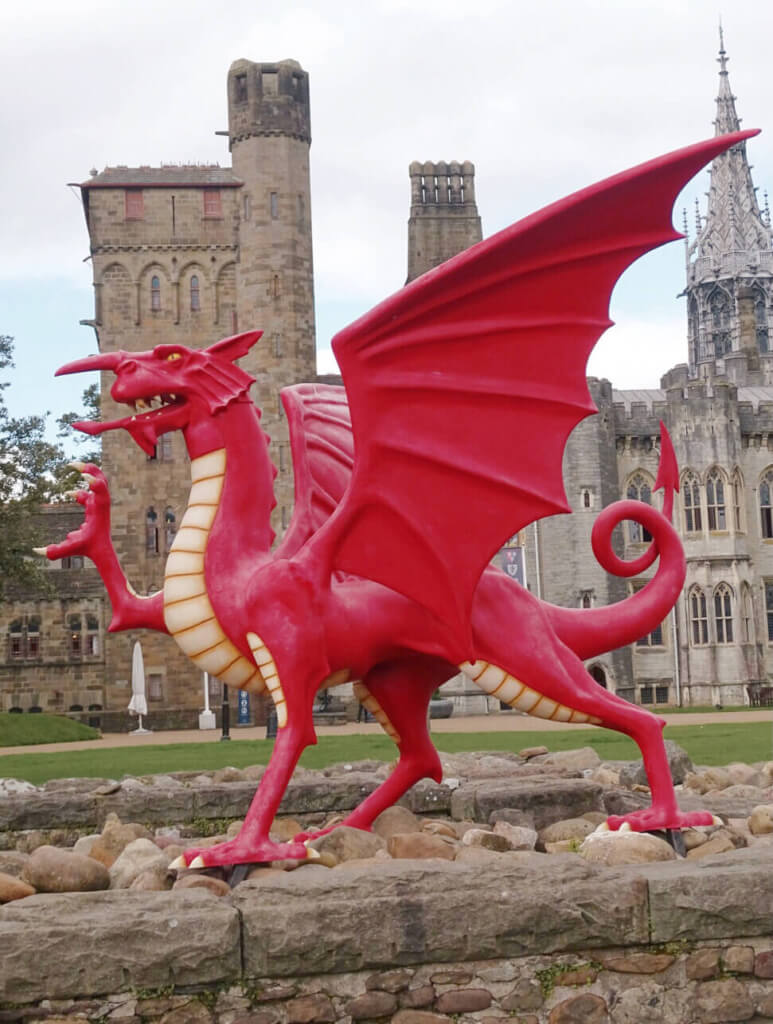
{"type": "Point", "coordinates": [464, 386]}
{"type": "Point", "coordinates": [323, 455]}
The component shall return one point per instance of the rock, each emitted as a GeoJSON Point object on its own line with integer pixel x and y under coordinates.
{"type": "Point", "coordinates": [519, 837]}
{"type": "Point", "coordinates": [228, 774]}
{"type": "Point", "coordinates": [439, 828]}
{"type": "Point", "coordinates": [702, 964]}
{"type": "Point", "coordinates": [420, 845]}
{"type": "Point", "coordinates": [346, 843]}
{"type": "Point", "coordinates": [636, 963]}
{"type": "Point", "coordinates": [85, 844]}
{"type": "Point", "coordinates": [50, 869]}
{"type": "Point", "coordinates": [115, 837]}
{"type": "Point", "coordinates": [254, 772]}
{"type": "Point", "coordinates": [678, 761]}
{"type": "Point", "coordinates": [30, 841]}
{"type": "Point", "coordinates": [463, 1000]}
{"type": "Point", "coordinates": [738, 959]}
{"type": "Point", "coordinates": [512, 816]}
{"type": "Point", "coordinates": [12, 862]}
{"type": "Point", "coordinates": [419, 1017]}
{"type": "Point", "coordinates": [138, 856]}
{"type": "Point", "coordinates": [527, 995]}
{"type": "Point", "coordinates": [582, 759]}
{"type": "Point", "coordinates": [612, 848]}
{"type": "Point", "coordinates": [12, 888]}
{"type": "Point", "coordinates": [396, 820]}
{"type": "Point", "coordinates": [546, 799]}
{"type": "Point", "coordinates": [563, 846]}
{"type": "Point", "coordinates": [693, 837]}
{"type": "Point", "coordinates": [390, 981]}
{"type": "Point", "coordinates": [743, 774]}
{"type": "Point", "coordinates": [718, 1002]}
{"type": "Point", "coordinates": [761, 820]}
{"type": "Point", "coordinates": [763, 964]}
{"type": "Point", "coordinates": [371, 1005]}
{"type": "Point", "coordinates": [605, 776]}
{"type": "Point", "coordinates": [584, 1009]}
{"type": "Point", "coordinates": [153, 880]}
{"type": "Point", "coordinates": [285, 829]}
{"type": "Point", "coordinates": [422, 995]}
{"type": "Point", "coordinates": [191, 880]}
{"type": "Point", "coordinates": [488, 840]}
{"type": "Point", "coordinates": [528, 752]}
{"type": "Point", "coordinates": [311, 1009]}
{"type": "Point", "coordinates": [571, 828]}
{"type": "Point", "coordinates": [716, 844]}
{"type": "Point", "coordinates": [16, 787]}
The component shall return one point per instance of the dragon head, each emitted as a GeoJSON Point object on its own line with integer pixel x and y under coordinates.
{"type": "Point", "coordinates": [170, 386]}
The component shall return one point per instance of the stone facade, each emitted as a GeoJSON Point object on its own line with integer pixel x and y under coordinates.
{"type": "Point", "coordinates": [190, 254]}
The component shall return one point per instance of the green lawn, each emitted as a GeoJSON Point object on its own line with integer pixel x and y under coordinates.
{"type": "Point", "coordinates": [21, 730]}
{"type": "Point", "coordinates": [706, 744]}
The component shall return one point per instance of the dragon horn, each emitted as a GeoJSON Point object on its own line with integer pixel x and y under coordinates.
{"type": "Point", "coordinates": [103, 361]}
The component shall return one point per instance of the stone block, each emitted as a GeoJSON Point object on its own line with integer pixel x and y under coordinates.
{"type": "Point", "coordinates": [430, 911]}
{"type": "Point", "coordinates": [719, 897]}
{"type": "Point", "coordinates": [463, 1000]}
{"type": "Point", "coordinates": [545, 799]}
{"type": "Point", "coordinates": [720, 1002]}
{"type": "Point", "coordinates": [108, 941]}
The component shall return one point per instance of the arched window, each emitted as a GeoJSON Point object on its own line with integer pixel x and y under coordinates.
{"type": "Point", "coordinates": [761, 320]}
{"type": "Point", "coordinates": [155, 293]}
{"type": "Point", "coordinates": [639, 489]}
{"type": "Point", "coordinates": [151, 531]}
{"type": "Point", "coordinates": [74, 629]}
{"type": "Point", "coordinates": [747, 611]}
{"type": "Point", "coordinates": [766, 508]}
{"type": "Point", "coordinates": [738, 503]}
{"type": "Point", "coordinates": [715, 501]}
{"type": "Point", "coordinates": [170, 526]}
{"type": "Point", "coordinates": [691, 502]}
{"type": "Point", "coordinates": [723, 613]}
{"type": "Point", "coordinates": [195, 297]}
{"type": "Point", "coordinates": [33, 636]}
{"type": "Point", "coordinates": [16, 639]}
{"type": "Point", "coordinates": [719, 322]}
{"type": "Point", "coordinates": [699, 621]}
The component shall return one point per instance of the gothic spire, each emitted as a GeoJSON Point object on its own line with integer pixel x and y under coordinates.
{"type": "Point", "coordinates": [733, 220]}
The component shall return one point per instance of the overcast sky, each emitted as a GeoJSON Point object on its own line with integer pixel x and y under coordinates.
{"type": "Point", "coordinates": [544, 99]}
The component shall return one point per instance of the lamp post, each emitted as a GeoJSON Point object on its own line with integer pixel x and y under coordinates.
{"type": "Point", "coordinates": [225, 719]}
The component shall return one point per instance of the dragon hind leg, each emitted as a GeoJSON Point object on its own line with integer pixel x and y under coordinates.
{"type": "Point", "coordinates": [566, 692]}
{"type": "Point", "coordinates": [398, 693]}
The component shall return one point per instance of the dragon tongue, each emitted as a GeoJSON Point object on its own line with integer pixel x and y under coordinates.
{"type": "Point", "coordinates": [141, 430]}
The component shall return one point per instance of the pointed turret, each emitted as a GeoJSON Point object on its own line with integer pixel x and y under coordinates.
{"type": "Point", "coordinates": [732, 251]}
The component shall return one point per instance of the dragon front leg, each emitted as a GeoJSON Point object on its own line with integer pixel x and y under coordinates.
{"type": "Point", "coordinates": [252, 845]}
{"type": "Point", "coordinates": [92, 540]}
{"type": "Point", "coordinates": [398, 693]}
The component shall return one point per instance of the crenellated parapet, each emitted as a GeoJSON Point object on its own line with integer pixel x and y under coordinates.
{"type": "Point", "coordinates": [444, 217]}
{"type": "Point", "coordinates": [267, 99]}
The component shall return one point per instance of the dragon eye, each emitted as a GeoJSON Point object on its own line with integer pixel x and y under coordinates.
{"type": "Point", "coordinates": [171, 358]}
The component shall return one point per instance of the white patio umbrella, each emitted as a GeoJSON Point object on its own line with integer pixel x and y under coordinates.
{"type": "Point", "coordinates": [138, 705]}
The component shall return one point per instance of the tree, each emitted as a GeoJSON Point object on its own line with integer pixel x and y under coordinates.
{"type": "Point", "coordinates": [33, 471]}
{"type": "Point", "coordinates": [91, 411]}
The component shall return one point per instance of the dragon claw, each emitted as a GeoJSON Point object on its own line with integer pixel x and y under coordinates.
{"type": "Point", "coordinates": [75, 464]}
{"type": "Point", "coordinates": [41, 551]}
{"type": "Point", "coordinates": [178, 864]}
{"type": "Point", "coordinates": [311, 853]}
{"type": "Point", "coordinates": [197, 862]}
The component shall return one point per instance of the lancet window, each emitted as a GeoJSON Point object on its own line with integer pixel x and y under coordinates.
{"type": "Point", "coordinates": [719, 322]}
{"type": "Point", "coordinates": [715, 501]}
{"type": "Point", "coordinates": [723, 613]}
{"type": "Point", "coordinates": [639, 489]}
{"type": "Point", "coordinates": [699, 619]}
{"type": "Point", "coordinates": [691, 503]}
{"type": "Point", "coordinates": [766, 508]}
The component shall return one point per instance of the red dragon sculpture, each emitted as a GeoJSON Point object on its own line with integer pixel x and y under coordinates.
{"type": "Point", "coordinates": [460, 393]}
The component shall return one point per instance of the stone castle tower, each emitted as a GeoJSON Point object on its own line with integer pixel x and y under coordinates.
{"type": "Point", "coordinates": [730, 262]}
{"type": "Point", "coordinates": [444, 215]}
{"type": "Point", "coordinates": [190, 254]}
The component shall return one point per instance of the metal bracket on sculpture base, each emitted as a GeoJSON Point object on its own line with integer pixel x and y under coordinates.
{"type": "Point", "coordinates": [237, 874]}
{"type": "Point", "coordinates": [674, 838]}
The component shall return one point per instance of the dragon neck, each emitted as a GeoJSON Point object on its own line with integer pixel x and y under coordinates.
{"type": "Point", "coordinates": [245, 501]}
